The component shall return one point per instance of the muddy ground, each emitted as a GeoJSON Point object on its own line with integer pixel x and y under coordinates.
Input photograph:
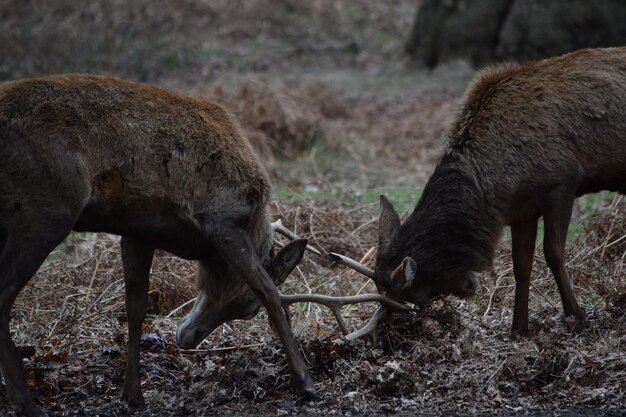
{"type": "Point", "coordinates": [338, 115]}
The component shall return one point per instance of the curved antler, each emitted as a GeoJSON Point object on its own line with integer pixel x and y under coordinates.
{"type": "Point", "coordinates": [351, 263]}
{"type": "Point", "coordinates": [336, 303]}
{"type": "Point", "coordinates": [278, 227]}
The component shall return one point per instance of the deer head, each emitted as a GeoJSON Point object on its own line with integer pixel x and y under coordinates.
{"type": "Point", "coordinates": [221, 300]}
{"type": "Point", "coordinates": [398, 274]}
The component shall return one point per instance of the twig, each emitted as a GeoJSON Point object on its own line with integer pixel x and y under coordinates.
{"type": "Point", "coordinates": [502, 275]}
{"type": "Point", "coordinates": [222, 349]}
{"type": "Point", "coordinates": [180, 307]}
{"type": "Point", "coordinates": [313, 234]}
{"type": "Point", "coordinates": [532, 284]}
{"type": "Point", "coordinates": [93, 278]}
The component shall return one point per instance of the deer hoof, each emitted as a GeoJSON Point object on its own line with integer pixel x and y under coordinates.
{"type": "Point", "coordinates": [304, 386]}
{"type": "Point", "coordinates": [134, 401]}
{"type": "Point", "coordinates": [310, 395]}
{"type": "Point", "coordinates": [29, 409]}
{"type": "Point", "coordinates": [519, 333]}
{"type": "Point", "coordinates": [576, 324]}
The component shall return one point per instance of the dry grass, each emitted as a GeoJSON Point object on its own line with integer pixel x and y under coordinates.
{"type": "Point", "coordinates": [455, 356]}
{"type": "Point", "coordinates": [184, 40]}
{"type": "Point", "coordinates": [312, 133]}
{"type": "Point", "coordinates": [281, 120]}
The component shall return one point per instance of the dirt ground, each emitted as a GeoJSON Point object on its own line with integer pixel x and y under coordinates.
{"type": "Point", "coordinates": [338, 115]}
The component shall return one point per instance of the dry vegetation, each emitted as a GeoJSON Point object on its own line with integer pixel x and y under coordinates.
{"type": "Point", "coordinates": [318, 90]}
{"type": "Point", "coordinates": [455, 356]}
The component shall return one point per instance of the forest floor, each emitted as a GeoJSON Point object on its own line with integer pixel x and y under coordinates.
{"type": "Point", "coordinates": [338, 116]}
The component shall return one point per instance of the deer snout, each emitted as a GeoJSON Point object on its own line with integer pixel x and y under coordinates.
{"type": "Point", "coordinates": [198, 324]}
{"type": "Point", "coordinates": [470, 285]}
{"type": "Point", "coordinates": [188, 338]}
{"type": "Point", "coordinates": [189, 335]}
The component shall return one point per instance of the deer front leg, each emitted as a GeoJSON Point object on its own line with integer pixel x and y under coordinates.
{"type": "Point", "coordinates": [11, 364]}
{"type": "Point", "coordinates": [523, 236]}
{"type": "Point", "coordinates": [136, 259]}
{"type": "Point", "coordinates": [25, 247]}
{"type": "Point", "coordinates": [235, 245]}
{"type": "Point", "coordinates": [556, 215]}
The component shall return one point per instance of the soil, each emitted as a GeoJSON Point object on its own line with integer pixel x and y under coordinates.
{"type": "Point", "coordinates": [335, 111]}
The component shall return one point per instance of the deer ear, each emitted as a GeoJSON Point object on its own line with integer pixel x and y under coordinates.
{"type": "Point", "coordinates": [402, 277]}
{"type": "Point", "coordinates": [287, 259]}
{"type": "Point", "coordinates": [388, 223]}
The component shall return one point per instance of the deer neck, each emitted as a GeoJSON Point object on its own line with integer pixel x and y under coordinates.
{"type": "Point", "coordinates": [454, 226]}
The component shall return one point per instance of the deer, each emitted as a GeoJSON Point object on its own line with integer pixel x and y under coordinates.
{"type": "Point", "coordinates": [161, 169]}
{"type": "Point", "coordinates": [530, 138]}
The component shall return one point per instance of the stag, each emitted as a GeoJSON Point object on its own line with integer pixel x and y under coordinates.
{"type": "Point", "coordinates": [529, 139]}
{"type": "Point", "coordinates": [161, 169]}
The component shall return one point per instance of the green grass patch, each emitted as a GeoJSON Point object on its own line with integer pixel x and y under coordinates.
{"type": "Point", "coordinates": [586, 207]}
{"type": "Point", "coordinates": [237, 57]}
{"type": "Point", "coordinates": [573, 231]}
{"type": "Point", "coordinates": [403, 198]}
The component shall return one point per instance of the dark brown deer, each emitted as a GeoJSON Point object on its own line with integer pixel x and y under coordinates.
{"type": "Point", "coordinates": [530, 139]}
{"type": "Point", "coordinates": [161, 169]}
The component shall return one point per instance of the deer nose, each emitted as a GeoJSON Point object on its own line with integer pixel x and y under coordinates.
{"type": "Point", "coordinates": [471, 284]}
{"type": "Point", "coordinates": [188, 338]}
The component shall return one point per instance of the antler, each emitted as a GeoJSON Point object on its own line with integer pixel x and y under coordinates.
{"type": "Point", "coordinates": [278, 227]}
{"type": "Point", "coordinates": [351, 263]}
{"type": "Point", "coordinates": [336, 303]}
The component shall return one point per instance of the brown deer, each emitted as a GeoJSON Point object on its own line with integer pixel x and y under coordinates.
{"type": "Point", "coordinates": [530, 138]}
{"type": "Point", "coordinates": [161, 169]}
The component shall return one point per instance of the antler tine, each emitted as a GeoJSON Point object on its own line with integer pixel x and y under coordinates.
{"type": "Point", "coordinates": [277, 226]}
{"type": "Point", "coordinates": [369, 329]}
{"type": "Point", "coordinates": [351, 263]}
{"type": "Point", "coordinates": [335, 304]}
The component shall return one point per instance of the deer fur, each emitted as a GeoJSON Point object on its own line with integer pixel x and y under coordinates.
{"type": "Point", "coordinates": [529, 139]}
{"type": "Point", "coordinates": [163, 170]}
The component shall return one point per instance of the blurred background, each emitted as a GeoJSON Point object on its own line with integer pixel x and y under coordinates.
{"type": "Point", "coordinates": [201, 40]}
{"type": "Point", "coordinates": [368, 86]}
{"type": "Point", "coordinates": [356, 93]}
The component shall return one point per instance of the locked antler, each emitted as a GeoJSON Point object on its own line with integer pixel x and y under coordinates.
{"type": "Point", "coordinates": [336, 303]}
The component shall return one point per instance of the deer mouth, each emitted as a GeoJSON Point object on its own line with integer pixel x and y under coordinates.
{"type": "Point", "coordinates": [189, 336]}
{"type": "Point", "coordinates": [469, 288]}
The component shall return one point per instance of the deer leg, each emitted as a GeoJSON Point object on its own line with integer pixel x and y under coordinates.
{"type": "Point", "coordinates": [556, 215]}
{"type": "Point", "coordinates": [25, 249]}
{"type": "Point", "coordinates": [523, 236]}
{"type": "Point", "coordinates": [137, 259]}
{"type": "Point", "coordinates": [236, 247]}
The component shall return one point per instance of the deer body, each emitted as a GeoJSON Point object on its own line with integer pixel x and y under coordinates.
{"type": "Point", "coordinates": [128, 149]}
{"type": "Point", "coordinates": [530, 139]}
{"type": "Point", "coordinates": [161, 169]}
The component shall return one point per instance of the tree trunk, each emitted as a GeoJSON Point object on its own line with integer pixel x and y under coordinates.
{"type": "Point", "coordinates": [483, 31]}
